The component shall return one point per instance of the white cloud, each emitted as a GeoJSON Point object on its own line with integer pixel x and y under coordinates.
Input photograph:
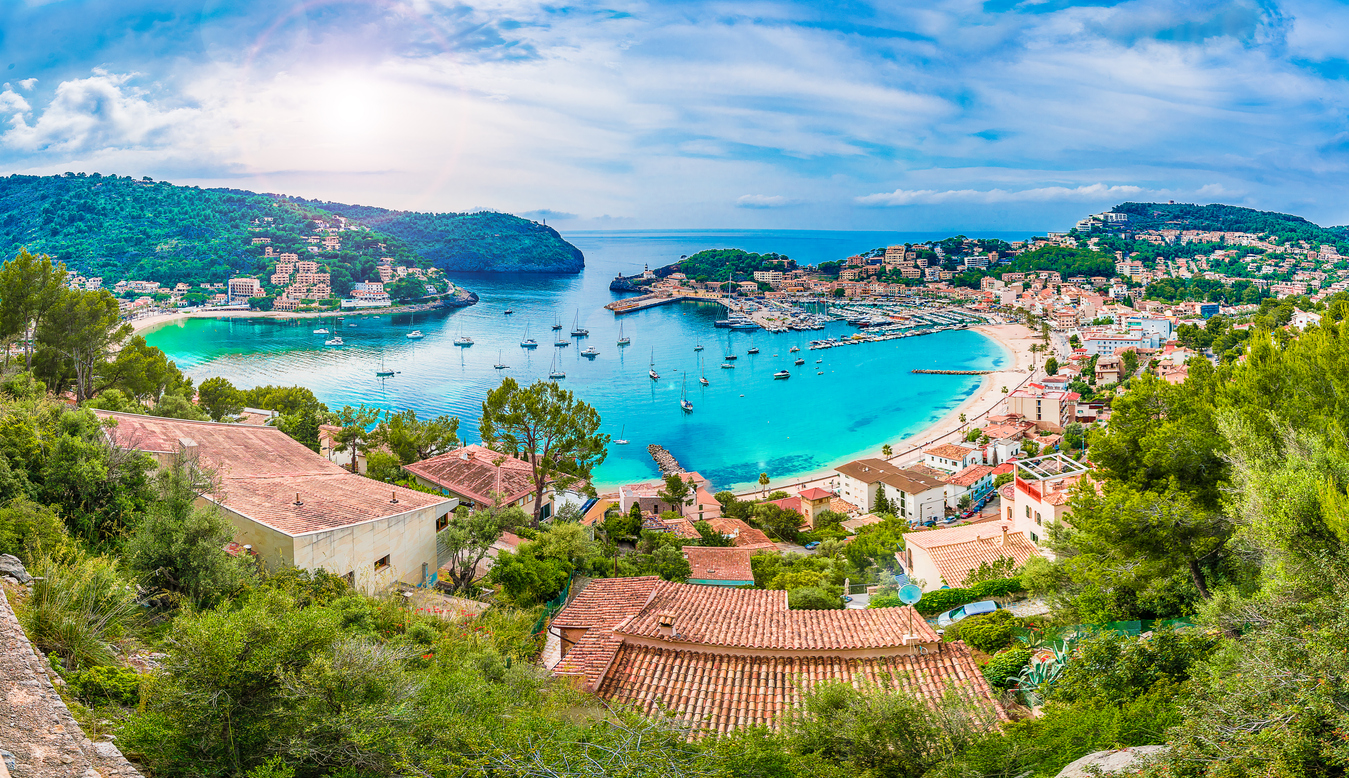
{"type": "Point", "coordinates": [764, 201]}
{"type": "Point", "coordinates": [97, 113]}
{"type": "Point", "coordinates": [27, 84]}
{"type": "Point", "coordinates": [1088, 193]}
{"type": "Point", "coordinates": [12, 102]}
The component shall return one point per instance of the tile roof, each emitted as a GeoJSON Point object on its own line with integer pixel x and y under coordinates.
{"type": "Point", "coordinates": [840, 505]}
{"type": "Point", "coordinates": [479, 473]}
{"type": "Point", "coordinates": [741, 534]}
{"type": "Point", "coordinates": [788, 504]}
{"type": "Point", "coordinates": [970, 475]}
{"type": "Point", "coordinates": [712, 693]}
{"type": "Point", "coordinates": [815, 493]}
{"type": "Point", "coordinates": [949, 451]}
{"type": "Point", "coordinates": [710, 563]}
{"type": "Point", "coordinates": [261, 470]}
{"type": "Point", "coordinates": [958, 551]}
{"type": "Point", "coordinates": [873, 470]}
{"type": "Point", "coordinates": [853, 525]}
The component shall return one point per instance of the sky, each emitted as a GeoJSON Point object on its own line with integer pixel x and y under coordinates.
{"type": "Point", "coordinates": [937, 115]}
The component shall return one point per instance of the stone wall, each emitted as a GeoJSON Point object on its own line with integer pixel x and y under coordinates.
{"type": "Point", "coordinates": [35, 725]}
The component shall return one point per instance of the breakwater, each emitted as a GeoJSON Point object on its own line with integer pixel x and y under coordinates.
{"type": "Point", "coordinates": [952, 372]}
{"type": "Point", "coordinates": [664, 460]}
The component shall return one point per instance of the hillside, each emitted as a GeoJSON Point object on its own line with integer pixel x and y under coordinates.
{"type": "Point", "coordinates": [120, 228]}
{"type": "Point", "coordinates": [1226, 218]}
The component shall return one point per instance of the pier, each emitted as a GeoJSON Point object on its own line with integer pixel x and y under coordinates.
{"type": "Point", "coordinates": [664, 460]}
{"type": "Point", "coordinates": [953, 372]}
{"type": "Point", "coordinates": [632, 304]}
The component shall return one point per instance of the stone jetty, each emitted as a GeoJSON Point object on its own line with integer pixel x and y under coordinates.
{"type": "Point", "coordinates": [664, 460]}
{"type": "Point", "coordinates": [952, 372]}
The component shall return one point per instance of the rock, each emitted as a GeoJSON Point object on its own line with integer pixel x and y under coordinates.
{"type": "Point", "coordinates": [106, 750]}
{"type": "Point", "coordinates": [12, 567]}
{"type": "Point", "coordinates": [1108, 762]}
{"type": "Point", "coordinates": [10, 763]}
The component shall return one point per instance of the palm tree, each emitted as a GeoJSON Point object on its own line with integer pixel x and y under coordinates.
{"type": "Point", "coordinates": [763, 481]}
{"type": "Point", "coordinates": [886, 451]}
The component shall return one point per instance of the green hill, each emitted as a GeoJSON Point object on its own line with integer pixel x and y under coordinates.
{"type": "Point", "coordinates": [120, 228]}
{"type": "Point", "coordinates": [1226, 218]}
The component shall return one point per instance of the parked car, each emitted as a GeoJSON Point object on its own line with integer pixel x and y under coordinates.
{"type": "Point", "coordinates": [812, 544]}
{"type": "Point", "coordinates": [970, 609]}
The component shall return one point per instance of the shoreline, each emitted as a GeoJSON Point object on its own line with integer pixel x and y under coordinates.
{"type": "Point", "coordinates": [147, 324]}
{"type": "Point", "coordinates": [1015, 339]}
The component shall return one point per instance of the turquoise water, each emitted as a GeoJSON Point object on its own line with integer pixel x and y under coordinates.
{"type": "Point", "coordinates": [743, 424]}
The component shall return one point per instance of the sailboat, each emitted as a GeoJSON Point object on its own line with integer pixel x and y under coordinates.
{"type": "Point", "coordinates": [623, 340]}
{"type": "Point", "coordinates": [684, 397]}
{"type": "Point", "coordinates": [557, 325]}
{"type": "Point", "coordinates": [500, 365]}
{"type": "Point", "coordinates": [698, 346]}
{"type": "Point", "coordinates": [753, 349]}
{"type": "Point", "coordinates": [622, 441]}
{"type": "Point", "coordinates": [577, 331]}
{"type": "Point", "coordinates": [528, 342]}
{"type": "Point", "coordinates": [382, 372]}
{"type": "Point", "coordinates": [652, 369]}
{"type": "Point", "coordinates": [555, 372]}
{"type": "Point", "coordinates": [800, 361]}
{"type": "Point", "coordinates": [702, 374]}
{"type": "Point", "coordinates": [463, 340]}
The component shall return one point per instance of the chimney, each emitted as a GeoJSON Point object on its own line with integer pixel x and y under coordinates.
{"type": "Point", "coordinates": [189, 449]}
{"type": "Point", "coordinates": [666, 622]}
{"type": "Point", "coordinates": [1002, 541]}
{"type": "Point", "coordinates": [393, 497]}
{"type": "Point", "coordinates": [298, 501]}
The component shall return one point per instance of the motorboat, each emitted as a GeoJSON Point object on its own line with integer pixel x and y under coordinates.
{"type": "Point", "coordinates": [321, 331]}
{"type": "Point", "coordinates": [782, 374]}
{"type": "Point", "coordinates": [590, 352]}
{"type": "Point", "coordinates": [384, 373]}
{"type": "Point", "coordinates": [726, 366]}
{"type": "Point", "coordinates": [463, 340]}
{"type": "Point", "coordinates": [800, 361]}
{"type": "Point", "coordinates": [333, 342]}
{"type": "Point", "coordinates": [415, 335]}
{"type": "Point", "coordinates": [509, 311]}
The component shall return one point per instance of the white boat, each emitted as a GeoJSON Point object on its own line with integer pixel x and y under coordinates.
{"type": "Point", "coordinates": [793, 350]}
{"type": "Point", "coordinates": [321, 331]}
{"type": "Point", "coordinates": [651, 371]}
{"type": "Point", "coordinates": [800, 361]}
{"type": "Point", "coordinates": [415, 335]}
{"type": "Point", "coordinates": [590, 352]}
{"type": "Point", "coordinates": [528, 342]}
{"type": "Point", "coordinates": [333, 342]}
{"type": "Point", "coordinates": [782, 374]}
{"type": "Point", "coordinates": [554, 372]}
{"type": "Point", "coordinates": [703, 381]}
{"type": "Point", "coordinates": [622, 441]}
{"type": "Point", "coordinates": [500, 365]}
{"type": "Point", "coordinates": [463, 340]}
{"type": "Point", "coordinates": [727, 366]}
{"type": "Point", "coordinates": [623, 340]}
{"type": "Point", "coordinates": [684, 396]}
{"type": "Point", "coordinates": [577, 331]}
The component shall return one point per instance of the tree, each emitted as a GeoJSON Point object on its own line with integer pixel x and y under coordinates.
{"type": "Point", "coordinates": [781, 524]}
{"type": "Point", "coordinates": [882, 503]}
{"type": "Point", "coordinates": [1052, 366]}
{"type": "Point", "coordinates": [218, 397]}
{"type": "Point", "coordinates": [355, 430]}
{"type": "Point", "coordinates": [1128, 361]}
{"type": "Point", "coordinates": [886, 451]}
{"type": "Point", "coordinates": [175, 406]}
{"type": "Point", "coordinates": [763, 482]}
{"type": "Point", "coordinates": [412, 439]}
{"type": "Point", "coordinates": [557, 434]}
{"type": "Point", "coordinates": [142, 372]}
{"type": "Point", "coordinates": [29, 287]}
{"type": "Point", "coordinates": [675, 492]}
{"type": "Point", "coordinates": [82, 327]}
{"type": "Point", "coordinates": [468, 539]}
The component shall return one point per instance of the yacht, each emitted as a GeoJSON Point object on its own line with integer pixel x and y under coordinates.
{"type": "Point", "coordinates": [726, 366]}
{"type": "Point", "coordinates": [622, 441]}
{"type": "Point", "coordinates": [509, 311]}
{"type": "Point", "coordinates": [684, 397]}
{"type": "Point", "coordinates": [782, 374]}
{"type": "Point", "coordinates": [557, 325]}
{"type": "Point", "coordinates": [555, 372]}
{"type": "Point", "coordinates": [500, 365]}
{"type": "Point", "coordinates": [651, 371]}
{"type": "Point", "coordinates": [528, 342]}
{"type": "Point", "coordinates": [415, 335]}
{"type": "Point", "coordinates": [753, 350]}
{"type": "Point", "coordinates": [577, 331]}
{"type": "Point", "coordinates": [800, 361]}
{"type": "Point", "coordinates": [463, 340]}
{"type": "Point", "coordinates": [335, 341]}
{"type": "Point", "coordinates": [731, 357]}
{"type": "Point", "coordinates": [623, 340]}
{"type": "Point", "coordinates": [591, 352]}
{"type": "Point", "coordinates": [321, 331]}
{"type": "Point", "coordinates": [562, 343]}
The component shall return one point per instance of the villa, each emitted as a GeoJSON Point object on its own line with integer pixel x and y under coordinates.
{"type": "Point", "coordinates": [479, 477]}
{"type": "Point", "coordinates": [916, 496]}
{"type": "Point", "coordinates": [1043, 489]}
{"type": "Point", "coordinates": [714, 566]}
{"type": "Point", "coordinates": [716, 659]}
{"type": "Point", "coordinates": [946, 556]}
{"type": "Point", "coordinates": [292, 507]}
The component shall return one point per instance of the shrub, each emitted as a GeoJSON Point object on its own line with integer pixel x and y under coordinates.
{"type": "Point", "coordinates": [890, 600]}
{"type": "Point", "coordinates": [28, 529]}
{"type": "Point", "coordinates": [989, 635]}
{"type": "Point", "coordinates": [77, 608]}
{"type": "Point", "coordinates": [1002, 670]}
{"type": "Point", "coordinates": [106, 685]}
{"type": "Point", "coordinates": [812, 598]}
{"type": "Point", "coordinates": [946, 599]}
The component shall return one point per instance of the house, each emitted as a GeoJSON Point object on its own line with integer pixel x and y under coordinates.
{"type": "Point", "coordinates": [740, 534]}
{"type": "Point", "coordinates": [714, 659]}
{"type": "Point", "coordinates": [975, 481]}
{"type": "Point", "coordinates": [714, 566]}
{"type": "Point", "coordinates": [915, 496]}
{"type": "Point", "coordinates": [952, 458]}
{"type": "Point", "coordinates": [1051, 409]}
{"type": "Point", "coordinates": [480, 477]}
{"type": "Point", "coordinates": [1043, 489]}
{"type": "Point", "coordinates": [809, 503]}
{"type": "Point", "coordinates": [291, 507]}
{"type": "Point", "coordinates": [1108, 370]}
{"type": "Point", "coordinates": [700, 505]}
{"type": "Point", "coordinates": [946, 556]}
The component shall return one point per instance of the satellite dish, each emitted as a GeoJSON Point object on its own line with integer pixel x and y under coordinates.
{"type": "Point", "coordinates": [910, 594]}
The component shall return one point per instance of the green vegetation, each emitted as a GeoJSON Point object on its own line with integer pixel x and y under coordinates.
{"type": "Point", "coordinates": [118, 228]}
{"type": "Point", "coordinates": [1226, 218]}
{"type": "Point", "coordinates": [715, 264]}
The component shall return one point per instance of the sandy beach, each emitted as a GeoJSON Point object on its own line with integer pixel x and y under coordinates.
{"type": "Point", "coordinates": [145, 324]}
{"type": "Point", "coordinates": [1016, 338]}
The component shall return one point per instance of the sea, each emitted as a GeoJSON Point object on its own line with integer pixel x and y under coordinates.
{"type": "Point", "coordinates": [842, 403]}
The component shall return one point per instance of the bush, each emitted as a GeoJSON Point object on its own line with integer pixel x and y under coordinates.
{"type": "Point", "coordinates": [106, 685]}
{"type": "Point", "coordinates": [28, 530]}
{"type": "Point", "coordinates": [1001, 671]}
{"type": "Point", "coordinates": [77, 609]}
{"type": "Point", "coordinates": [890, 600]}
{"type": "Point", "coordinates": [812, 598]}
{"type": "Point", "coordinates": [989, 633]}
{"type": "Point", "coordinates": [946, 599]}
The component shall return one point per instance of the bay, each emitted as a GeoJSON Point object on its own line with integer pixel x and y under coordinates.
{"type": "Point", "coordinates": [743, 423]}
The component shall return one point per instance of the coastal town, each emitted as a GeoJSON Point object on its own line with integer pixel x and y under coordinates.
{"type": "Point", "coordinates": [935, 563]}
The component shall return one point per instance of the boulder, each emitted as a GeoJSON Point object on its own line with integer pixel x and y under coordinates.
{"type": "Point", "coordinates": [12, 567]}
{"type": "Point", "coordinates": [1109, 762]}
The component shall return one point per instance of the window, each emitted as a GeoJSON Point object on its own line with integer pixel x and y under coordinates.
{"type": "Point", "coordinates": [1028, 511]}
{"type": "Point", "coordinates": [382, 563]}
{"type": "Point", "coordinates": [442, 522]}
{"type": "Point", "coordinates": [1037, 517]}
{"type": "Point", "coordinates": [1034, 538]}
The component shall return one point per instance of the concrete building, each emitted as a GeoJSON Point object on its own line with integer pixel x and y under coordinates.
{"type": "Point", "coordinates": [1043, 488]}
{"type": "Point", "coordinates": [1051, 409]}
{"type": "Point", "coordinates": [241, 289]}
{"type": "Point", "coordinates": [479, 477]}
{"type": "Point", "coordinates": [946, 556]}
{"type": "Point", "coordinates": [917, 497]}
{"type": "Point", "coordinates": [291, 507]}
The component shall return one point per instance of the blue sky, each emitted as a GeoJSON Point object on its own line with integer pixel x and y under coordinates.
{"type": "Point", "coordinates": [618, 115]}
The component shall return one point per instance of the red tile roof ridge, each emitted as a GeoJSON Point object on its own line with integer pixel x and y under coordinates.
{"type": "Point", "coordinates": [945, 536]}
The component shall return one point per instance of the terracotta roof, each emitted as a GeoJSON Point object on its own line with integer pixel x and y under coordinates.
{"type": "Point", "coordinates": [840, 505]}
{"type": "Point", "coordinates": [788, 504]}
{"type": "Point", "coordinates": [958, 551]}
{"type": "Point", "coordinates": [758, 618]}
{"type": "Point", "coordinates": [853, 525]}
{"type": "Point", "coordinates": [816, 493]}
{"type": "Point", "coordinates": [683, 527]}
{"type": "Point", "coordinates": [261, 470]}
{"type": "Point", "coordinates": [871, 471]}
{"type": "Point", "coordinates": [479, 473]}
{"type": "Point", "coordinates": [710, 563]}
{"type": "Point", "coordinates": [606, 601]}
{"type": "Point", "coordinates": [716, 693]}
{"type": "Point", "coordinates": [868, 471]}
{"type": "Point", "coordinates": [741, 534]}
{"type": "Point", "coordinates": [970, 475]}
{"type": "Point", "coordinates": [949, 451]}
